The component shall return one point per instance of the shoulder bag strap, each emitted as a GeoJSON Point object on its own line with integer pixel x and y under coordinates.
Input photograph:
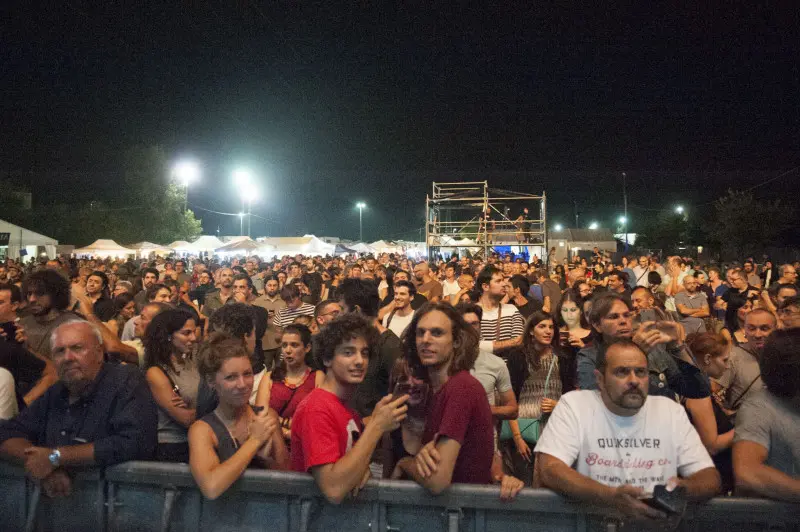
{"type": "Point", "coordinates": [735, 404]}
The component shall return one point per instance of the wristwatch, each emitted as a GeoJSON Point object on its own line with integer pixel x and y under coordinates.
{"type": "Point", "coordinates": [55, 457]}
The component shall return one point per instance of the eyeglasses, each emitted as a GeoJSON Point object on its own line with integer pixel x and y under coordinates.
{"type": "Point", "coordinates": [333, 313]}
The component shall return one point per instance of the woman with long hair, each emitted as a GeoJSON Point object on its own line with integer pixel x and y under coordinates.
{"type": "Point", "coordinates": [734, 332]}
{"type": "Point", "coordinates": [171, 373]}
{"type": "Point", "coordinates": [292, 380]}
{"type": "Point", "coordinates": [574, 333]}
{"type": "Point", "coordinates": [562, 276]}
{"type": "Point", "coordinates": [708, 416]}
{"type": "Point", "coordinates": [536, 372]}
{"type": "Point", "coordinates": [224, 443]}
{"type": "Point", "coordinates": [124, 309]}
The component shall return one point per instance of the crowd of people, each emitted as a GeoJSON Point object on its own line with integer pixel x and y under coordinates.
{"type": "Point", "coordinates": [602, 380]}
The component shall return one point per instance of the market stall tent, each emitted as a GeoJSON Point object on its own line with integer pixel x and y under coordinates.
{"type": "Point", "coordinates": [20, 238]}
{"type": "Point", "coordinates": [293, 245]}
{"type": "Point", "coordinates": [206, 243]}
{"type": "Point", "coordinates": [146, 248]}
{"type": "Point", "coordinates": [104, 248]}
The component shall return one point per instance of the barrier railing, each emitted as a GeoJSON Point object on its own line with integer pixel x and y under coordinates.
{"type": "Point", "coordinates": [158, 496]}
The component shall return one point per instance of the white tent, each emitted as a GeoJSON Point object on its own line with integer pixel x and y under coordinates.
{"type": "Point", "coordinates": [306, 245]}
{"type": "Point", "coordinates": [104, 248]}
{"type": "Point", "coordinates": [362, 248]}
{"type": "Point", "coordinates": [206, 243]}
{"type": "Point", "coordinates": [181, 246]}
{"type": "Point", "coordinates": [382, 246]}
{"type": "Point", "coordinates": [20, 238]}
{"type": "Point", "coordinates": [147, 248]}
{"type": "Point", "coordinates": [242, 246]}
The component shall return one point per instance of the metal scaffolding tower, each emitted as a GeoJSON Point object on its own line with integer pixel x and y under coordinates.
{"type": "Point", "coordinates": [456, 218]}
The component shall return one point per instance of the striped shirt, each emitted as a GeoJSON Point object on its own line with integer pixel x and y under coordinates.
{"type": "Point", "coordinates": [286, 315]}
{"type": "Point", "coordinates": [512, 324]}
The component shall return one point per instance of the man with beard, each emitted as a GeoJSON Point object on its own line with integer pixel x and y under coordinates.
{"type": "Point", "coordinates": [692, 305]}
{"type": "Point", "coordinates": [271, 302]}
{"type": "Point", "coordinates": [149, 278]}
{"type": "Point", "coordinates": [744, 375]}
{"type": "Point", "coordinates": [243, 293]}
{"type": "Point", "coordinates": [204, 286]}
{"type": "Point", "coordinates": [216, 299]}
{"type": "Point", "coordinates": [48, 296]}
{"type": "Point", "coordinates": [427, 285]}
{"type": "Point", "coordinates": [399, 318]}
{"type": "Point", "coordinates": [98, 414]}
{"type": "Point", "coordinates": [97, 292]}
{"type": "Point", "coordinates": [612, 433]}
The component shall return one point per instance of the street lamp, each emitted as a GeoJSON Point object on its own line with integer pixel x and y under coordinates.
{"type": "Point", "coordinates": [679, 209]}
{"type": "Point", "coordinates": [186, 172]}
{"type": "Point", "coordinates": [243, 180]}
{"type": "Point", "coordinates": [593, 226]}
{"type": "Point", "coordinates": [361, 206]}
{"type": "Point", "coordinates": [623, 220]}
{"type": "Point", "coordinates": [558, 227]}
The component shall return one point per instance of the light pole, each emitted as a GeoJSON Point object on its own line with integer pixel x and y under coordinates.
{"type": "Point", "coordinates": [186, 172]}
{"type": "Point", "coordinates": [241, 223]}
{"type": "Point", "coordinates": [361, 205]}
{"type": "Point", "coordinates": [623, 220]}
{"type": "Point", "coordinates": [593, 226]}
{"type": "Point", "coordinates": [243, 180]}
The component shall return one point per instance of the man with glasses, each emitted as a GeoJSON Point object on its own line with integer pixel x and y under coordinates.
{"type": "Point", "coordinates": [671, 367]}
{"type": "Point", "coordinates": [789, 313]}
{"type": "Point", "coordinates": [326, 311]}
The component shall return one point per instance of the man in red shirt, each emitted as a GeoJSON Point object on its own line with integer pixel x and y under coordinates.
{"type": "Point", "coordinates": [328, 437]}
{"type": "Point", "coordinates": [458, 438]}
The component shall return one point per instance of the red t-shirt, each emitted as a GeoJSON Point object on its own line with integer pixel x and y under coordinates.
{"type": "Point", "coordinates": [323, 430]}
{"type": "Point", "coordinates": [460, 411]}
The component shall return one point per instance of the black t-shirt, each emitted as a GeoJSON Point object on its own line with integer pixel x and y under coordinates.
{"type": "Point", "coordinates": [736, 300]}
{"type": "Point", "coordinates": [530, 307]}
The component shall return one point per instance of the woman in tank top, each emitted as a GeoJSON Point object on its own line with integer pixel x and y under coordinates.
{"type": "Point", "coordinates": [289, 383]}
{"type": "Point", "coordinates": [224, 443]}
{"type": "Point", "coordinates": [169, 344]}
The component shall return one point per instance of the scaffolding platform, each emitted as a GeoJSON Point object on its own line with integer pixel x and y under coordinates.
{"type": "Point", "coordinates": [473, 217]}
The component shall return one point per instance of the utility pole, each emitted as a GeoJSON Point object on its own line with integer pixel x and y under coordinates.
{"type": "Point", "coordinates": [625, 200]}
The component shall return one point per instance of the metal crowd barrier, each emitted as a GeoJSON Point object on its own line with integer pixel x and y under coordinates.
{"type": "Point", "coordinates": [151, 496]}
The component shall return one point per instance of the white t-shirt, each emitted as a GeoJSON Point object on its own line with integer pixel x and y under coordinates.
{"type": "Point", "coordinates": [450, 289]}
{"type": "Point", "coordinates": [399, 323]}
{"type": "Point", "coordinates": [643, 450]}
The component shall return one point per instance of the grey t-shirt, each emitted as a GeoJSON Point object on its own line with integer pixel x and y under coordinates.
{"type": "Point", "coordinates": [742, 378]}
{"type": "Point", "coordinates": [697, 300]}
{"type": "Point", "coordinates": [492, 373]}
{"type": "Point", "coordinates": [768, 421]}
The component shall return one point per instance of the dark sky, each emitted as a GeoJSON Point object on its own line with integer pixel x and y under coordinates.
{"type": "Point", "coordinates": [334, 104]}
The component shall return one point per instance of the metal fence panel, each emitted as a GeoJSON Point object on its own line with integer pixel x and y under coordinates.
{"type": "Point", "coordinates": [140, 496]}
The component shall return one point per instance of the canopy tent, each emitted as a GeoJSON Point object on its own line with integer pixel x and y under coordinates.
{"type": "Point", "coordinates": [181, 246]}
{"type": "Point", "coordinates": [206, 243]}
{"type": "Point", "coordinates": [147, 248]}
{"type": "Point", "coordinates": [20, 238]}
{"type": "Point", "coordinates": [105, 248]}
{"type": "Point", "coordinates": [362, 248]}
{"type": "Point", "coordinates": [305, 245]}
{"type": "Point", "coordinates": [242, 246]}
{"type": "Point", "coordinates": [382, 246]}
{"type": "Point", "coordinates": [341, 249]}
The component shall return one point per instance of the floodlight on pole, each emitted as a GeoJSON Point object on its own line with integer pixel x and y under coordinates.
{"type": "Point", "coordinates": [186, 172]}
{"type": "Point", "coordinates": [679, 209]}
{"type": "Point", "coordinates": [593, 226]}
{"type": "Point", "coordinates": [361, 206]}
{"type": "Point", "coordinates": [241, 223]}
{"type": "Point", "coordinates": [623, 220]}
{"type": "Point", "coordinates": [558, 227]}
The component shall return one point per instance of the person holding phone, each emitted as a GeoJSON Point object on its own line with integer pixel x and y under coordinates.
{"type": "Point", "coordinates": [329, 439]}
{"type": "Point", "coordinates": [623, 442]}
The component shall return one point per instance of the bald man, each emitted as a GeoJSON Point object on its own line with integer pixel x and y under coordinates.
{"type": "Point", "coordinates": [97, 414]}
{"type": "Point", "coordinates": [427, 286]}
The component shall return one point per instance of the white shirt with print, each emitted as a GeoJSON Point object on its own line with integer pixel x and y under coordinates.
{"type": "Point", "coordinates": [642, 450]}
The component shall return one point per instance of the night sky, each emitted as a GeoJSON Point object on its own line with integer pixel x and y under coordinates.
{"type": "Point", "coordinates": [332, 105]}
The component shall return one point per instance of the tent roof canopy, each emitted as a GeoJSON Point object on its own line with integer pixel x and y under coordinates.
{"type": "Point", "coordinates": [104, 245]}
{"type": "Point", "coordinates": [19, 236]}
